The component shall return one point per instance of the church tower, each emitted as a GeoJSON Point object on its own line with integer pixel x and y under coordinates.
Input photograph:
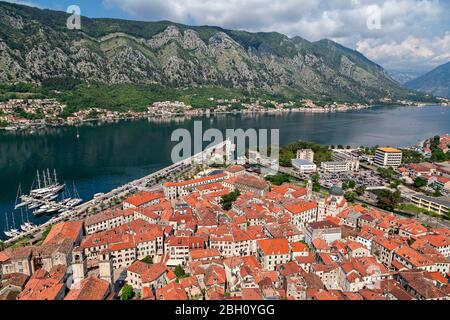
{"type": "Point", "coordinates": [79, 266]}
{"type": "Point", "coordinates": [106, 267]}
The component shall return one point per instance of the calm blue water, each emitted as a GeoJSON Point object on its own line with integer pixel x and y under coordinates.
{"type": "Point", "coordinates": [110, 155]}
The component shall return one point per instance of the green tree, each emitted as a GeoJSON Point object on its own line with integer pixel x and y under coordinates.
{"type": "Point", "coordinates": [360, 190]}
{"type": "Point", "coordinates": [179, 272]}
{"type": "Point", "coordinates": [350, 196]}
{"type": "Point", "coordinates": [352, 184]}
{"type": "Point", "coordinates": [316, 187]}
{"type": "Point", "coordinates": [148, 260]}
{"type": "Point", "coordinates": [388, 200]}
{"type": "Point", "coordinates": [387, 173]}
{"type": "Point", "coordinates": [127, 293]}
{"type": "Point", "coordinates": [315, 177]}
{"type": "Point", "coordinates": [278, 179]}
{"type": "Point", "coordinates": [420, 182]}
{"type": "Point", "coordinates": [228, 200]}
{"type": "Point", "coordinates": [2, 246]}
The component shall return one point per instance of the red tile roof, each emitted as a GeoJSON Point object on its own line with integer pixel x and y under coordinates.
{"type": "Point", "coordinates": [70, 230]}
{"type": "Point", "coordinates": [274, 246]}
{"type": "Point", "coordinates": [143, 198]}
{"type": "Point", "coordinates": [91, 288]}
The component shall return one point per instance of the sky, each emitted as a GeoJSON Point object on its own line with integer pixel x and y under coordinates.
{"type": "Point", "coordinates": [402, 35]}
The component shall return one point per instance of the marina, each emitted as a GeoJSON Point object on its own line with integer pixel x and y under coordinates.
{"type": "Point", "coordinates": [47, 197]}
{"type": "Point", "coordinates": [150, 182]}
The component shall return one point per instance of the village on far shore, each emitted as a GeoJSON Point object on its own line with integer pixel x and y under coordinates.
{"type": "Point", "coordinates": [16, 114]}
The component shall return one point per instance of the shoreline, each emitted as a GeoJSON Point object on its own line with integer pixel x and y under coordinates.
{"type": "Point", "coordinates": [18, 126]}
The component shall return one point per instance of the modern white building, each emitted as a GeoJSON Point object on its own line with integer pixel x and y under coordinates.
{"type": "Point", "coordinates": [304, 166]}
{"type": "Point", "coordinates": [340, 166]}
{"type": "Point", "coordinates": [388, 157]}
{"type": "Point", "coordinates": [343, 155]}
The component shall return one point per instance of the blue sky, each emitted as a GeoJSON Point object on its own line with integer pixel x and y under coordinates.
{"type": "Point", "coordinates": [406, 35]}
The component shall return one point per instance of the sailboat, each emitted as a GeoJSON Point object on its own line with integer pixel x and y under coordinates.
{"type": "Point", "coordinates": [11, 233]}
{"type": "Point", "coordinates": [27, 226]}
{"type": "Point", "coordinates": [19, 204]}
{"type": "Point", "coordinates": [49, 185]}
{"type": "Point", "coordinates": [77, 200]}
{"type": "Point", "coordinates": [14, 230]}
{"type": "Point", "coordinates": [8, 232]}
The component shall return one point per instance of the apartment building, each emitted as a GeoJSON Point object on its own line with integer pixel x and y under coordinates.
{"type": "Point", "coordinates": [388, 157]}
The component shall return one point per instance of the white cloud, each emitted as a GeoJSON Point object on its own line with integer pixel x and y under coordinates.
{"type": "Point", "coordinates": [341, 20]}
{"type": "Point", "coordinates": [425, 52]}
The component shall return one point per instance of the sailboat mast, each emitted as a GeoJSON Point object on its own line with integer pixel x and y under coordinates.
{"type": "Point", "coordinates": [56, 179]}
{"type": "Point", "coordinates": [49, 177]}
{"type": "Point", "coordinates": [44, 178]}
{"type": "Point", "coordinates": [75, 191]}
{"type": "Point", "coordinates": [7, 224]}
{"type": "Point", "coordinates": [14, 222]}
{"type": "Point", "coordinates": [39, 180]}
{"type": "Point", "coordinates": [18, 195]}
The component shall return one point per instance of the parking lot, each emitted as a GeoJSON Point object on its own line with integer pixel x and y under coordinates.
{"type": "Point", "coordinates": [364, 177]}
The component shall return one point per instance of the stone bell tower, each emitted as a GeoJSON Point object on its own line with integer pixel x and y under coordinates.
{"type": "Point", "coordinates": [106, 269]}
{"type": "Point", "coordinates": [79, 266]}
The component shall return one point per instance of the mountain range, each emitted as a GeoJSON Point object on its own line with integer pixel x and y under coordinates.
{"type": "Point", "coordinates": [436, 82]}
{"type": "Point", "coordinates": [35, 45]}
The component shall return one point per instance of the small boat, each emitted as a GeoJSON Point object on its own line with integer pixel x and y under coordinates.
{"type": "Point", "coordinates": [42, 210]}
{"type": "Point", "coordinates": [21, 205]}
{"type": "Point", "coordinates": [28, 226]}
{"type": "Point", "coordinates": [10, 234]}
{"type": "Point", "coordinates": [74, 202]}
{"type": "Point", "coordinates": [65, 201]}
{"type": "Point", "coordinates": [52, 210]}
{"type": "Point", "coordinates": [35, 205]}
{"type": "Point", "coordinates": [51, 197]}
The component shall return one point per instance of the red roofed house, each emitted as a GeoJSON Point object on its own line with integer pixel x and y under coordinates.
{"type": "Point", "coordinates": [383, 249]}
{"type": "Point", "coordinates": [72, 230]}
{"type": "Point", "coordinates": [172, 291]}
{"type": "Point", "coordinates": [323, 230]}
{"type": "Point", "coordinates": [177, 248]}
{"type": "Point", "coordinates": [302, 213]}
{"type": "Point", "coordinates": [45, 285]}
{"type": "Point", "coordinates": [141, 274]}
{"type": "Point", "coordinates": [173, 190]}
{"type": "Point", "coordinates": [204, 254]}
{"type": "Point", "coordinates": [143, 199]}
{"type": "Point", "coordinates": [273, 252]}
{"type": "Point", "coordinates": [92, 288]}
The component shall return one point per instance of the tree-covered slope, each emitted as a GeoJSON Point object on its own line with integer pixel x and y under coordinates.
{"type": "Point", "coordinates": [35, 46]}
